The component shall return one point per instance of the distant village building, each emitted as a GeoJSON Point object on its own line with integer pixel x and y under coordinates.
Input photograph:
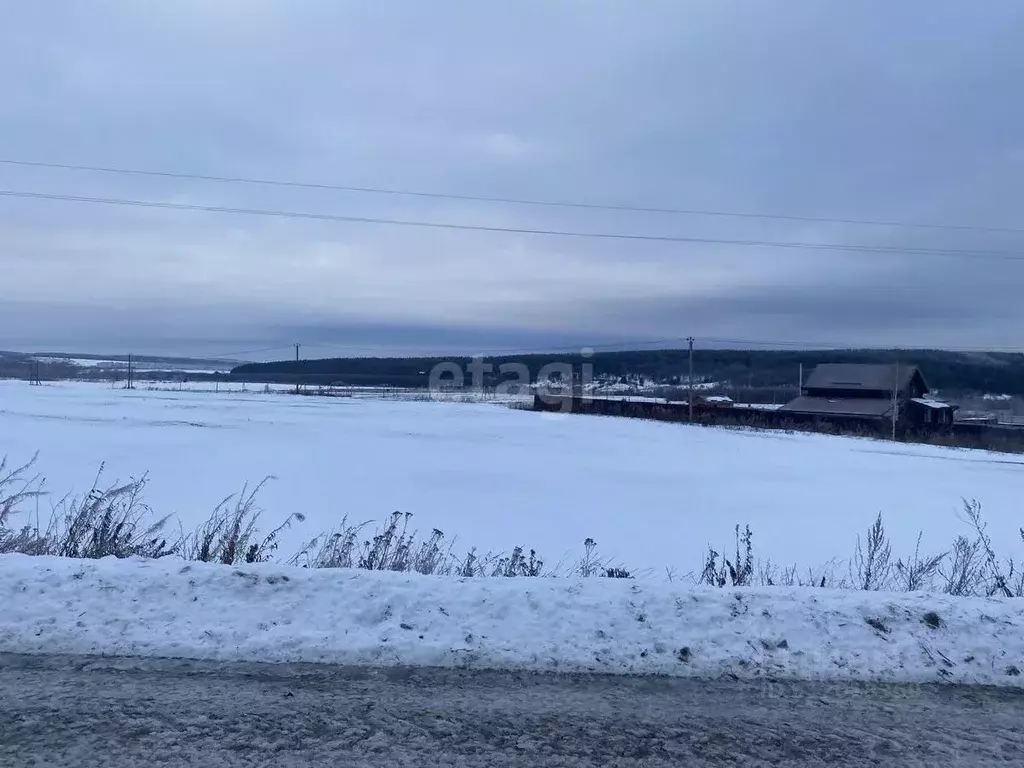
{"type": "Point", "coordinates": [852, 395]}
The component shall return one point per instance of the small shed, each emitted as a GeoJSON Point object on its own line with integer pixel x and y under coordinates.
{"type": "Point", "coordinates": [928, 412]}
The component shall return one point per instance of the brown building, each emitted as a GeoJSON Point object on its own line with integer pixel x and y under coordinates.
{"type": "Point", "coordinates": [865, 395]}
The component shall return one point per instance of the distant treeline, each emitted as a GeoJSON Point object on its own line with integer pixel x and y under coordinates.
{"type": "Point", "coordinates": [951, 372]}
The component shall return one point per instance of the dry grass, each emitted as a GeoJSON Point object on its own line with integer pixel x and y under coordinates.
{"type": "Point", "coordinates": [114, 520]}
{"type": "Point", "coordinates": [231, 534]}
{"type": "Point", "coordinates": [108, 521]}
{"type": "Point", "coordinates": [18, 485]}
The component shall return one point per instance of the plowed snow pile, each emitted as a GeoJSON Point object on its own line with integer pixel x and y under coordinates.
{"type": "Point", "coordinates": [169, 608]}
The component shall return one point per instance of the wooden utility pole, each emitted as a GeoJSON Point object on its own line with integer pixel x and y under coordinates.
{"type": "Point", "coordinates": [689, 396]}
{"type": "Point", "coordinates": [129, 372]}
{"type": "Point", "coordinates": [801, 379]}
{"type": "Point", "coordinates": [297, 368]}
{"type": "Point", "coordinates": [895, 400]}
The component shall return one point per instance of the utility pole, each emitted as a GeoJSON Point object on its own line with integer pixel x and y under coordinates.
{"type": "Point", "coordinates": [297, 368]}
{"type": "Point", "coordinates": [895, 400]}
{"type": "Point", "coordinates": [801, 380]}
{"type": "Point", "coordinates": [689, 397]}
{"type": "Point", "coordinates": [129, 372]}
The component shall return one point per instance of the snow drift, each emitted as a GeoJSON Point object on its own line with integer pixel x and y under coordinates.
{"type": "Point", "coordinates": [170, 608]}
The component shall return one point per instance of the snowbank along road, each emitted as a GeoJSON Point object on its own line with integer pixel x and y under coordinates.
{"type": "Point", "coordinates": [172, 609]}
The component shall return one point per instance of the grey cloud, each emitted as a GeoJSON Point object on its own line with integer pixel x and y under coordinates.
{"type": "Point", "coordinates": [868, 110]}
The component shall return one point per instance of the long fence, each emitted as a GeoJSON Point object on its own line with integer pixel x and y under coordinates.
{"type": "Point", "coordinates": [997, 437]}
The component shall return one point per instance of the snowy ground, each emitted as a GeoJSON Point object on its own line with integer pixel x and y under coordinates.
{"type": "Point", "coordinates": [173, 384]}
{"type": "Point", "coordinates": [652, 494]}
{"type": "Point", "coordinates": [122, 364]}
{"type": "Point", "coordinates": [169, 608]}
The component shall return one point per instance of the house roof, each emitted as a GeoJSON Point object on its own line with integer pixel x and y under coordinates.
{"type": "Point", "coordinates": [867, 407]}
{"type": "Point", "coordinates": [927, 402]}
{"type": "Point", "coordinates": [624, 398]}
{"type": "Point", "coordinates": [851, 376]}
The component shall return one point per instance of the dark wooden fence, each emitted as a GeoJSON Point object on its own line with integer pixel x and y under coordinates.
{"type": "Point", "coordinates": [1003, 438]}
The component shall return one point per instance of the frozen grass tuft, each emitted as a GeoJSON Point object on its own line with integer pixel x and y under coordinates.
{"type": "Point", "coordinates": [720, 571]}
{"type": "Point", "coordinates": [110, 520]}
{"type": "Point", "coordinates": [872, 561]}
{"type": "Point", "coordinates": [394, 547]}
{"type": "Point", "coordinates": [230, 535]}
{"type": "Point", "coordinates": [18, 485]}
{"type": "Point", "coordinates": [918, 572]}
{"type": "Point", "coordinates": [594, 564]}
{"type": "Point", "coordinates": [333, 549]}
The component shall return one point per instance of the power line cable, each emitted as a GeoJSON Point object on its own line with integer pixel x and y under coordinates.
{"type": "Point", "coordinates": [852, 248]}
{"type": "Point", "coordinates": [633, 345]}
{"type": "Point", "coordinates": [227, 356]}
{"type": "Point", "coordinates": [836, 345]}
{"type": "Point", "coordinates": [505, 200]}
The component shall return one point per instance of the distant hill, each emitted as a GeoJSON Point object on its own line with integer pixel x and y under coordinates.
{"type": "Point", "coordinates": [951, 372]}
{"type": "Point", "coordinates": [63, 365]}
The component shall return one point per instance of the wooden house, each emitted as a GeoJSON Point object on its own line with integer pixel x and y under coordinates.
{"type": "Point", "coordinates": [852, 395]}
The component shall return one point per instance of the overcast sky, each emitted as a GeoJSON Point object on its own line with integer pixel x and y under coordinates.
{"type": "Point", "coordinates": [906, 111]}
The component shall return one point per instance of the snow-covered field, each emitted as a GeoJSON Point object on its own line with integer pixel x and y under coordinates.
{"type": "Point", "coordinates": [168, 608]}
{"type": "Point", "coordinates": [652, 494]}
{"type": "Point", "coordinates": [122, 364]}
